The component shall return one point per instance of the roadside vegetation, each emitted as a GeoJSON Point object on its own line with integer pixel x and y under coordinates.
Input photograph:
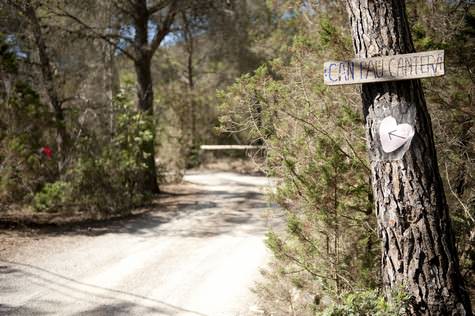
{"type": "Point", "coordinates": [79, 134]}
{"type": "Point", "coordinates": [328, 260]}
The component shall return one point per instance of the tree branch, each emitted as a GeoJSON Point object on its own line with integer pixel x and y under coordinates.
{"type": "Point", "coordinates": [165, 27]}
{"type": "Point", "coordinates": [159, 6]}
{"type": "Point", "coordinates": [107, 38]}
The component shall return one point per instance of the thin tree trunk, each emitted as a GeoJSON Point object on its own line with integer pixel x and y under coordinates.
{"type": "Point", "coordinates": [113, 83]}
{"type": "Point", "coordinates": [189, 44]}
{"type": "Point", "coordinates": [413, 219]}
{"type": "Point", "coordinates": [336, 231]}
{"type": "Point", "coordinates": [111, 73]}
{"type": "Point", "coordinates": [191, 86]}
{"type": "Point", "coordinates": [48, 82]}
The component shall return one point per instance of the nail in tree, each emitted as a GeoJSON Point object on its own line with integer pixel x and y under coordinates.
{"type": "Point", "coordinates": [418, 250]}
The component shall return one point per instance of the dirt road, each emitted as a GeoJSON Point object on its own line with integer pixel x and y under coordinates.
{"type": "Point", "coordinates": [199, 257]}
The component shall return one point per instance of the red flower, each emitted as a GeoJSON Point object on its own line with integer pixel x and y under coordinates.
{"type": "Point", "coordinates": [47, 151]}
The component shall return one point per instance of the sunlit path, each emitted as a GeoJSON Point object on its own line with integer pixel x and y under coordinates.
{"type": "Point", "coordinates": [203, 260]}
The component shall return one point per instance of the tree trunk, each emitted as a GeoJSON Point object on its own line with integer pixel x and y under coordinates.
{"type": "Point", "coordinates": [112, 84]}
{"type": "Point", "coordinates": [191, 87]}
{"type": "Point", "coordinates": [143, 70]}
{"type": "Point", "coordinates": [145, 105]}
{"type": "Point", "coordinates": [413, 219]}
{"type": "Point", "coordinates": [48, 82]}
{"type": "Point", "coordinates": [110, 71]}
{"type": "Point", "coordinates": [190, 49]}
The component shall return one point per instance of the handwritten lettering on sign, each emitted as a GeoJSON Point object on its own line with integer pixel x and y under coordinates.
{"type": "Point", "coordinates": [386, 68]}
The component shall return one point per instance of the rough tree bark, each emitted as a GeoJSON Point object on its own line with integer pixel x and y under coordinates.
{"type": "Point", "coordinates": [418, 250]}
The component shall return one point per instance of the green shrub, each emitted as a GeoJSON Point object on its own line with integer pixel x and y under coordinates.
{"type": "Point", "coordinates": [105, 172]}
{"type": "Point", "coordinates": [368, 303]}
{"type": "Point", "coordinates": [314, 140]}
{"type": "Point", "coordinates": [101, 172]}
{"type": "Point", "coordinates": [51, 196]}
{"type": "Point", "coordinates": [24, 129]}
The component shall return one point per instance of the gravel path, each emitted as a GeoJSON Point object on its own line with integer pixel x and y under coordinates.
{"type": "Point", "coordinates": [200, 257]}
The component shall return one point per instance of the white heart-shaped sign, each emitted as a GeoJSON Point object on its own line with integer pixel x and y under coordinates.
{"type": "Point", "coordinates": [394, 136]}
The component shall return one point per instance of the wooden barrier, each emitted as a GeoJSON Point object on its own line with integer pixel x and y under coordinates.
{"type": "Point", "coordinates": [224, 147]}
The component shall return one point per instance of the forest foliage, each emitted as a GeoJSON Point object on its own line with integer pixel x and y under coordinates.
{"type": "Point", "coordinates": [315, 143]}
{"type": "Point", "coordinates": [253, 69]}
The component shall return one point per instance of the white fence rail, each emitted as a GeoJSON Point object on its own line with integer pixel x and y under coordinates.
{"type": "Point", "coordinates": [221, 147]}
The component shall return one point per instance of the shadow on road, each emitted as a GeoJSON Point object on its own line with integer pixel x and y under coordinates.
{"type": "Point", "coordinates": [121, 302]}
{"type": "Point", "coordinates": [213, 212]}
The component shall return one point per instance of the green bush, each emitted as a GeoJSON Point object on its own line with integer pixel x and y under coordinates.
{"type": "Point", "coordinates": [105, 172]}
{"type": "Point", "coordinates": [368, 303]}
{"type": "Point", "coordinates": [51, 196]}
{"type": "Point", "coordinates": [24, 130]}
{"type": "Point", "coordinates": [101, 172]}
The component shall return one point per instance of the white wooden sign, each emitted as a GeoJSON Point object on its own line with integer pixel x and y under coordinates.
{"type": "Point", "coordinates": [385, 68]}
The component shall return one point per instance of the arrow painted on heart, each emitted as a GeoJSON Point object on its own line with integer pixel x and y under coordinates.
{"type": "Point", "coordinates": [394, 136]}
{"type": "Point", "coordinates": [391, 133]}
